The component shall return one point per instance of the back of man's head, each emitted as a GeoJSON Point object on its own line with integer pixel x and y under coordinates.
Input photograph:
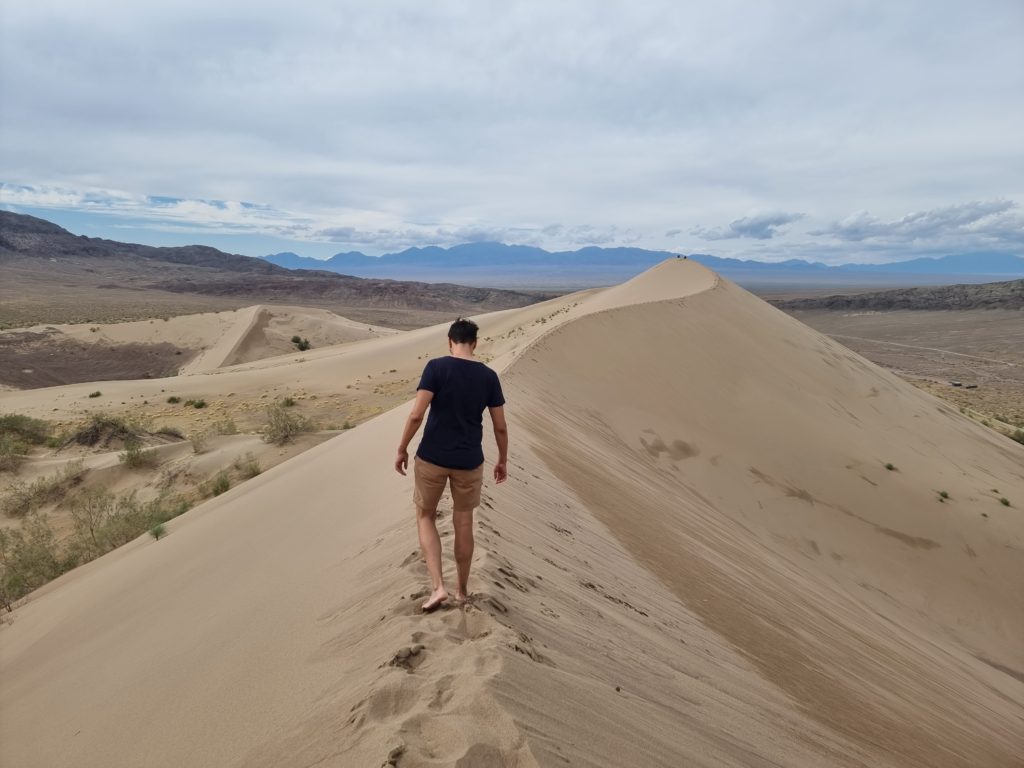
{"type": "Point", "coordinates": [463, 331]}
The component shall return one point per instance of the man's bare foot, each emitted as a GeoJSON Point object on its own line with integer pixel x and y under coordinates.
{"type": "Point", "coordinates": [433, 602]}
{"type": "Point", "coordinates": [461, 597]}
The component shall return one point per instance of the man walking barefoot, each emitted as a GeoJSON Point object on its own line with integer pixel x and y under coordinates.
{"type": "Point", "coordinates": [456, 388]}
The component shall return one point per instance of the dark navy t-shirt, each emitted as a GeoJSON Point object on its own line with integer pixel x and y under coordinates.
{"type": "Point", "coordinates": [454, 433]}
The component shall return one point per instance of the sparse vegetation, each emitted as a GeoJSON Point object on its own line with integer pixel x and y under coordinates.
{"type": "Point", "coordinates": [17, 435]}
{"type": "Point", "coordinates": [1018, 436]}
{"type": "Point", "coordinates": [197, 403]}
{"type": "Point", "coordinates": [1004, 501]}
{"type": "Point", "coordinates": [225, 426]}
{"type": "Point", "coordinates": [97, 393]}
{"type": "Point", "coordinates": [288, 402]}
{"type": "Point", "coordinates": [248, 466]}
{"type": "Point", "coordinates": [105, 429]}
{"type": "Point", "coordinates": [198, 440]}
{"type": "Point", "coordinates": [21, 499]}
{"type": "Point", "coordinates": [158, 531]}
{"type": "Point", "coordinates": [283, 425]}
{"type": "Point", "coordinates": [173, 399]}
{"type": "Point", "coordinates": [221, 484]}
{"type": "Point", "coordinates": [943, 495]}
{"type": "Point", "coordinates": [890, 467]}
{"type": "Point", "coordinates": [171, 432]}
{"type": "Point", "coordinates": [301, 344]}
{"type": "Point", "coordinates": [137, 457]}
{"type": "Point", "coordinates": [29, 558]}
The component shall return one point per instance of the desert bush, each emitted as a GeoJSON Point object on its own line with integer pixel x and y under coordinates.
{"type": "Point", "coordinates": [137, 457]}
{"type": "Point", "coordinates": [890, 467]}
{"type": "Point", "coordinates": [225, 426]}
{"type": "Point", "coordinates": [943, 495]}
{"type": "Point", "coordinates": [248, 466]}
{"type": "Point", "coordinates": [283, 425]}
{"type": "Point", "coordinates": [221, 484]}
{"type": "Point", "coordinates": [12, 453]}
{"type": "Point", "coordinates": [104, 429]}
{"type": "Point", "coordinates": [21, 498]}
{"type": "Point", "coordinates": [1004, 501]}
{"type": "Point", "coordinates": [29, 557]}
{"type": "Point", "coordinates": [1018, 436]}
{"type": "Point", "coordinates": [24, 428]}
{"type": "Point", "coordinates": [198, 440]}
{"type": "Point", "coordinates": [288, 402]}
{"type": "Point", "coordinates": [196, 403]}
{"type": "Point", "coordinates": [301, 344]}
{"type": "Point", "coordinates": [171, 432]}
{"type": "Point", "coordinates": [173, 399]}
{"type": "Point", "coordinates": [157, 531]}
{"type": "Point", "coordinates": [97, 393]}
{"type": "Point", "coordinates": [103, 521]}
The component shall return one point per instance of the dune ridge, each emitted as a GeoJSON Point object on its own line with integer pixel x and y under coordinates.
{"type": "Point", "coordinates": [700, 558]}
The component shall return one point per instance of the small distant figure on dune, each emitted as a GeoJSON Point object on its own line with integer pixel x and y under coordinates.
{"type": "Point", "coordinates": [456, 388]}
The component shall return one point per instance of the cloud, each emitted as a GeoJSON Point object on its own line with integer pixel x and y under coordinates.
{"type": "Point", "coordinates": [763, 226]}
{"type": "Point", "coordinates": [982, 219]}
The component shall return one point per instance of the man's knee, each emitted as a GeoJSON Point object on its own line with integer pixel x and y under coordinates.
{"type": "Point", "coordinates": [424, 512]}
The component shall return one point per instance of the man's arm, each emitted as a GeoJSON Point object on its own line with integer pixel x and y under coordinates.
{"type": "Point", "coordinates": [412, 426]}
{"type": "Point", "coordinates": [501, 438]}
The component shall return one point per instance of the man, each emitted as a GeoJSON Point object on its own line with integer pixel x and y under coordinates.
{"type": "Point", "coordinates": [456, 388]}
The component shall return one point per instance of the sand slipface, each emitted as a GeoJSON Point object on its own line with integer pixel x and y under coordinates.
{"type": "Point", "coordinates": [700, 558]}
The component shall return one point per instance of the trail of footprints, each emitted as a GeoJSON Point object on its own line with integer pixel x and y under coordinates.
{"type": "Point", "coordinates": [457, 637]}
{"type": "Point", "coordinates": [438, 649]}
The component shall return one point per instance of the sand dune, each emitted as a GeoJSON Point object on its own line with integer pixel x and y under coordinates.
{"type": "Point", "coordinates": [700, 558]}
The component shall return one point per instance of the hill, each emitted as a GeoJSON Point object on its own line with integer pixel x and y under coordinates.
{"type": "Point", "coordinates": [1001, 295]}
{"type": "Point", "coordinates": [48, 274]}
{"type": "Point", "coordinates": [725, 540]}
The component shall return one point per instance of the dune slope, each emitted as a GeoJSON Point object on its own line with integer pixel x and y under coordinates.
{"type": "Point", "coordinates": [700, 558]}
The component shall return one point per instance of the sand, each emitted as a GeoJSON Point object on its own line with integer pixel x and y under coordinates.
{"type": "Point", "coordinates": [700, 558]}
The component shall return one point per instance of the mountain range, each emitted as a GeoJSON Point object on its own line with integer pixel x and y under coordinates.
{"type": "Point", "coordinates": [498, 264]}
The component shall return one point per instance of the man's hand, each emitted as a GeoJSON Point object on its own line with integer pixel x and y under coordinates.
{"type": "Point", "coordinates": [402, 461]}
{"type": "Point", "coordinates": [500, 472]}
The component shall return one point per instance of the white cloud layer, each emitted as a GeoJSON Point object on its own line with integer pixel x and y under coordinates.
{"type": "Point", "coordinates": [382, 125]}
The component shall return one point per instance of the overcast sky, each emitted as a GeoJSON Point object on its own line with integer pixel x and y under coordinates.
{"type": "Point", "coordinates": [831, 131]}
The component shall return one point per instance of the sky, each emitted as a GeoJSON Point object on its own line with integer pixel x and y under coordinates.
{"type": "Point", "coordinates": [829, 131]}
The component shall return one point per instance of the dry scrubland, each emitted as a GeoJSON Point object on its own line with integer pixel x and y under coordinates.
{"type": "Point", "coordinates": [932, 349]}
{"type": "Point", "coordinates": [735, 543]}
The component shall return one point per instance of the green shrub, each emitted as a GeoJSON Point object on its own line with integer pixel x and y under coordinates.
{"type": "Point", "coordinates": [221, 484]}
{"type": "Point", "coordinates": [301, 344]}
{"type": "Point", "coordinates": [288, 402]}
{"type": "Point", "coordinates": [29, 557]}
{"type": "Point", "coordinates": [136, 457]}
{"type": "Point", "coordinates": [296, 339]}
{"type": "Point", "coordinates": [103, 521]}
{"type": "Point", "coordinates": [97, 393]}
{"type": "Point", "coordinates": [24, 428]}
{"type": "Point", "coordinates": [198, 403]}
{"type": "Point", "coordinates": [12, 453]}
{"type": "Point", "coordinates": [282, 425]}
{"type": "Point", "coordinates": [173, 399]}
{"type": "Point", "coordinates": [943, 495]}
{"type": "Point", "coordinates": [1004, 501]}
{"type": "Point", "coordinates": [890, 467]}
{"type": "Point", "coordinates": [225, 426]}
{"type": "Point", "coordinates": [248, 466]}
{"type": "Point", "coordinates": [198, 440]}
{"type": "Point", "coordinates": [1018, 436]}
{"type": "Point", "coordinates": [157, 531]}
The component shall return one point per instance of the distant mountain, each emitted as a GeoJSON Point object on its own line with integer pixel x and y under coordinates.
{"type": "Point", "coordinates": [1002, 295]}
{"type": "Point", "coordinates": [490, 263]}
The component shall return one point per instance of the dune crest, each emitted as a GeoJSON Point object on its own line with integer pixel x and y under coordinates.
{"type": "Point", "coordinates": [700, 558]}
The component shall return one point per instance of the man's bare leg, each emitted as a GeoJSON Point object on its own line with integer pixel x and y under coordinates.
{"type": "Point", "coordinates": [430, 543]}
{"type": "Point", "coordinates": [462, 520]}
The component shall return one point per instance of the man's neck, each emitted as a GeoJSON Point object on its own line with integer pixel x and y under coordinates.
{"type": "Point", "coordinates": [464, 351]}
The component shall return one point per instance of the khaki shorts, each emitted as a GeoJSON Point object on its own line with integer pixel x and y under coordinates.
{"type": "Point", "coordinates": [431, 480]}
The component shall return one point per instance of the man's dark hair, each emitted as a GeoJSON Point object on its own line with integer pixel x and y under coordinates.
{"type": "Point", "coordinates": [463, 331]}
